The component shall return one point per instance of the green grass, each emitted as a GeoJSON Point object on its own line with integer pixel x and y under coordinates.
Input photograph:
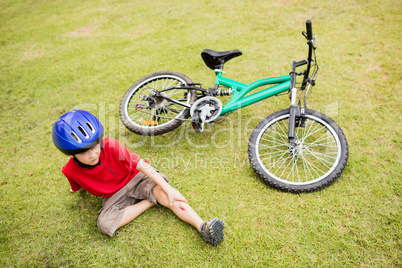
{"type": "Point", "coordinates": [59, 55]}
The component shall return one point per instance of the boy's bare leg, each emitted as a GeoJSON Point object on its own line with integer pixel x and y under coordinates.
{"type": "Point", "coordinates": [181, 209]}
{"type": "Point", "coordinates": [132, 212]}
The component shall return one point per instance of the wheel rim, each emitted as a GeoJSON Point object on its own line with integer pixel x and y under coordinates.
{"type": "Point", "coordinates": [163, 108]}
{"type": "Point", "coordinates": [312, 159]}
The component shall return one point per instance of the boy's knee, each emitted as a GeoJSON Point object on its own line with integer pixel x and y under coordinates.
{"type": "Point", "coordinates": [160, 195]}
{"type": "Point", "coordinates": [104, 227]}
{"type": "Point", "coordinates": [157, 189]}
{"type": "Point", "coordinates": [109, 220]}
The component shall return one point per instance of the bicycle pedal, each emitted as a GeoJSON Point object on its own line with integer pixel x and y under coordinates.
{"type": "Point", "coordinates": [149, 122]}
{"type": "Point", "coordinates": [197, 127]}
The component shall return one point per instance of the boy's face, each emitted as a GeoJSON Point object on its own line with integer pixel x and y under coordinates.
{"type": "Point", "coordinates": [90, 157]}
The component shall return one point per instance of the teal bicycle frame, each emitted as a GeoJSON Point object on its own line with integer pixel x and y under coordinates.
{"type": "Point", "coordinates": [239, 90]}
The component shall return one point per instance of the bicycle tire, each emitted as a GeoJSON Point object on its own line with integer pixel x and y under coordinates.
{"type": "Point", "coordinates": [314, 164]}
{"type": "Point", "coordinates": [151, 122]}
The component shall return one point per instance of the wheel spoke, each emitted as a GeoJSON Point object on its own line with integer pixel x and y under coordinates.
{"type": "Point", "coordinates": [322, 138]}
{"type": "Point", "coordinates": [280, 159]}
{"type": "Point", "coordinates": [321, 159]}
{"type": "Point", "coordinates": [289, 156]}
{"type": "Point", "coordinates": [305, 164]}
{"type": "Point", "coordinates": [272, 147]}
{"type": "Point", "coordinates": [313, 132]}
{"type": "Point", "coordinates": [277, 141]}
{"type": "Point", "coordinates": [272, 155]}
{"type": "Point", "coordinates": [284, 133]}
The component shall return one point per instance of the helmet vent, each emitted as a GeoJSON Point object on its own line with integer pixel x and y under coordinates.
{"type": "Point", "coordinates": [83, 132]}
{"type": "Point", "coordinates": [75, 137]}
{"type": "Point", "coordinates": [91, 127]}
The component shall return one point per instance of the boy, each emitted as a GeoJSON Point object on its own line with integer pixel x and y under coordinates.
{"type": "Point", "coordinates": [128, 184]}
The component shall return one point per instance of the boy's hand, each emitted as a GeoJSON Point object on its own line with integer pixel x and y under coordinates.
{"type": "Point", "coordinates": [175, 195]}
{"type": "Point", "coordinates": [151, 172]}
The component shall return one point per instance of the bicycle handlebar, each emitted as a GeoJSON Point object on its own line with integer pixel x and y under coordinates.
{"type": "Point", "coordinates": [310, 43]}
{"type": "Point", "coordinates": [308, 61]}
{"type": "Point", "coordinates": [309, 30]}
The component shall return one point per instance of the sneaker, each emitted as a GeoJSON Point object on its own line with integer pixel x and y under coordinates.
{"type": "Point", "coordinates": [212, 231]}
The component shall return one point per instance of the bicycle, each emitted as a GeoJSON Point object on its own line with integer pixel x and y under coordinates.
{"type": "Point", "coordinates": [295, 149]}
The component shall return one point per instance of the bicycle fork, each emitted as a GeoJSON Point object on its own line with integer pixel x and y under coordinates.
{"type": "Point", "coordinates": [295, 111]}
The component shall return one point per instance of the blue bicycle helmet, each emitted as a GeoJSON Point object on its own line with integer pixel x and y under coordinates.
{"type": "Point", "coordinates": [76, 132]}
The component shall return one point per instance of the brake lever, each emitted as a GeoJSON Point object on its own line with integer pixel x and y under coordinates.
{"type": "Point", "coordinates": [312, 41]}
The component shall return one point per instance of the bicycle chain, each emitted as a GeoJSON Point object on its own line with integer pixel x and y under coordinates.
{"type": "Point", "coordinates": [164, 116]}
{"type": "Point", "coordinates": [222, 119]}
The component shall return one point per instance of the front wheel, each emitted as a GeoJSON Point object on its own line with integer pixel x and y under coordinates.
{"type": "Point", "coordinates": [144, 114]}
{"type": "Point", "coordinates": [314, 161]}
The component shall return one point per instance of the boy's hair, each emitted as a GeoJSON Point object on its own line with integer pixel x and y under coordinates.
{"type": "Point", "coordinates": [76, 132]}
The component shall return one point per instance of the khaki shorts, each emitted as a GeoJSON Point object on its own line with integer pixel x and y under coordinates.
{"type": "Point", "coordinates": [112, 211]}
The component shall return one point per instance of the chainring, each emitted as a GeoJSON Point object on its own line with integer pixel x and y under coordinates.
{"type": "Point", "coordinates": [211, 105]}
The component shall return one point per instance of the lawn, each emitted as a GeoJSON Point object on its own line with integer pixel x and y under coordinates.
{"type": "Point", "coordinates": [56, 56]}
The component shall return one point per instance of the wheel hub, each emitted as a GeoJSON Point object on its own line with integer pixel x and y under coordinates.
{"type": "Point", "coordinates": [296, 148]}
{"type": "Point", "coordinates": [159, 100]}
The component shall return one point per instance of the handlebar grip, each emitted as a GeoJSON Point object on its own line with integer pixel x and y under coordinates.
{"type": "Point", "coordinates": [309, 30]}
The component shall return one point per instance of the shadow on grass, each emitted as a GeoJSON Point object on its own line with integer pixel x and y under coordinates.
{"type": "Point", "coordinates": [86, 209]}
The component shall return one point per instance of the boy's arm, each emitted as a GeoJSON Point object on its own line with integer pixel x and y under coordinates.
{"type": "Point", "coordinates": [151, 173]}
{"type": "Point", "coordinates": [75, 187]}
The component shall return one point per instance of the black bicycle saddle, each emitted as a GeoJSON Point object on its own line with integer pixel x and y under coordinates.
{"type": "Point", "coordinates": [215, 59]}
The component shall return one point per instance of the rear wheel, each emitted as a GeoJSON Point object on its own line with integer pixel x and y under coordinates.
{"type": "Point", "coordinates": [315, 161]}
{"type": "Point", "coordinates": [144, 114]}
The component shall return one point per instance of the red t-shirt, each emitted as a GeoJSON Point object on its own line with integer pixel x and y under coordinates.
{"type": "Point", "coordinates": [116, 167]}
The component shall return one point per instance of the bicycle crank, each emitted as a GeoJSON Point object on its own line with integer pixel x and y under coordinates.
{"type": "Point", "coordinates": [205, 110]}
